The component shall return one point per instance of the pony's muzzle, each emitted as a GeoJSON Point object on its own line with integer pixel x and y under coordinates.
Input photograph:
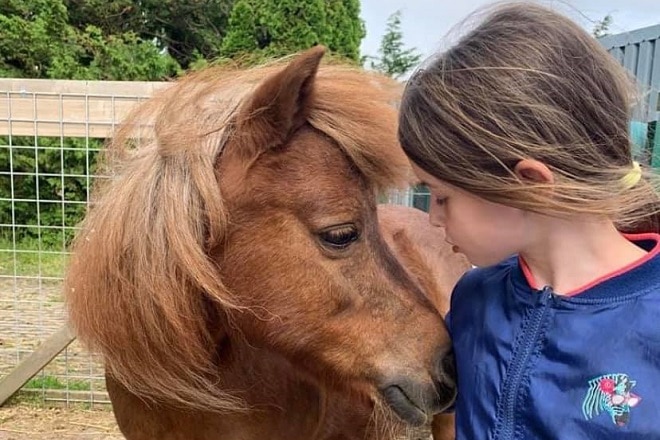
{"type": "Point", "coordinates": [415, 402]}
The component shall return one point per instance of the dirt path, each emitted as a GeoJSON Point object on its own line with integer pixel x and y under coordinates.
{"type": "Point", "coordinates": [23, 422]}
{"type": "Point", "coordinates": [33, 423]}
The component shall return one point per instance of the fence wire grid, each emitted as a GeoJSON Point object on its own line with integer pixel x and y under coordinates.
{"type": "Point", "coordinates": [50, 135]}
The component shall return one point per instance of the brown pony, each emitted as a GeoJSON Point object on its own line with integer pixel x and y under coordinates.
{"type": "Point", "coordinates": [233, 273]}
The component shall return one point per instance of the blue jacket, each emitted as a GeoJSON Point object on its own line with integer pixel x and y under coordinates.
{"type": "Point", "coordinates": [536, 365]}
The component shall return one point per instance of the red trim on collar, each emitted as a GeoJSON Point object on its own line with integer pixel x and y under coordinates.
{"type": "Point", "coordinates": [631, 237]}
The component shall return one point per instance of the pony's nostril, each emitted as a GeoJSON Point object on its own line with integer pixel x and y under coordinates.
{"type": "Point", "coordinates": [448, 365]}
{"type": "Point", "coordinates": [446, 379]}
{"type": "Point", "coordinates": [445, 370]}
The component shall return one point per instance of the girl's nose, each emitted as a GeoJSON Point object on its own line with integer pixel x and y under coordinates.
{"type": "Point", "coordinates": [436, 217]}
{"type": "Point", "coordinates": [435, 221]}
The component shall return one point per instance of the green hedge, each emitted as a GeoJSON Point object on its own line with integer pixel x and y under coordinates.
{"type": "Point", "coordinates": [43, 188]}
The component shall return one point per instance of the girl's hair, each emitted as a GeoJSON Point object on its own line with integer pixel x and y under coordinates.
{"type": "Point", "coordinates": [529, 83]}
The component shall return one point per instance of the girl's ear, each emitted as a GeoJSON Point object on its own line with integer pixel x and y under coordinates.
{"type": "Point", "coordinates": [533, 171]}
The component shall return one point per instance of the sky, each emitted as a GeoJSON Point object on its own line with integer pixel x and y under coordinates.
{"type": "Point", "coordinates": [425, 23]}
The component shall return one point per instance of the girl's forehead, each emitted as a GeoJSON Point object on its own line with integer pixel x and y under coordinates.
{"type": "Point", "coordinates": [442, 187]}
{"type": "Point", "coordinates": [423, 176]}
{"type": "Point", "coordinates": [430, 181]}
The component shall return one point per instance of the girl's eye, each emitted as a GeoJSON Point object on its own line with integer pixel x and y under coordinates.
{"type": "Point", "coordinates": [339, 237]}
{"type": "Point", "coordinates": [440, 200]}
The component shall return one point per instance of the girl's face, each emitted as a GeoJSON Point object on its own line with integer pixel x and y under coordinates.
{"type": "Point", "coordinates": [485, 232]}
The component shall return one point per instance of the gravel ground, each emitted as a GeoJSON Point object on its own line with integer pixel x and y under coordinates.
{"type": "Point", "coordinates": [23, 422]}
{"type": "Point", "coordinates": [30, 311]}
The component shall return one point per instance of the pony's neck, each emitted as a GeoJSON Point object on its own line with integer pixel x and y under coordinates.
{"type": "Point", "coordinates": [274, 387]}
{"type": "Point", "coordinates": [260, 375]}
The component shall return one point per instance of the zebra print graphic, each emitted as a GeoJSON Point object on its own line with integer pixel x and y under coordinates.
{"type": "Point", "coordinates": [610, 393]}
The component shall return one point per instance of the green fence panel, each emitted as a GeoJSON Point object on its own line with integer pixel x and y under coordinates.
{"type": "Point", "coordinates": [639, 52]}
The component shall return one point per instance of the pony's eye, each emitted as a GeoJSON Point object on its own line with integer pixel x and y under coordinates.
{"type": "Point", "coordinates": [339, 237]}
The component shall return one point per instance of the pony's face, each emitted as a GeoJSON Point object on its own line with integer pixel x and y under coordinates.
{"type": "Point", "coordinates": [304, 254]}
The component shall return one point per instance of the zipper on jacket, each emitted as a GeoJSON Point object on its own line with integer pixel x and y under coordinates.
{"type": "Point", "coordinates": [505, 420]}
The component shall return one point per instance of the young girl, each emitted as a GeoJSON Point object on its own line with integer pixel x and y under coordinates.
{"type": "Point", "coordinates": [520, 131]}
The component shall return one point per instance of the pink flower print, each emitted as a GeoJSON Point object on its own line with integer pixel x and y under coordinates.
{"type": "Point", "coordinates": [607, 385]}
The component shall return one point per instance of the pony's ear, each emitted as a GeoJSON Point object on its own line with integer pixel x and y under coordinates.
{"type": "Point", "coordinates": [278, 106]}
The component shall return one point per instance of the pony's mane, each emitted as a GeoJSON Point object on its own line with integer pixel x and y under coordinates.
{"type": "Point", "coordinates": [141, 288]}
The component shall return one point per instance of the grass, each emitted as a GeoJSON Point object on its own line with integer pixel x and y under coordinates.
{"type": "Point", "coordinates": [34, 399]}
{"type": "Point", "coordinates": [31, 394]}
{"type": "Point", "coordinates": [29, 398]}
{"type": "Point", "coordinates": [48, 382]}
{"type": "Point", "coordinates": [27, 258]}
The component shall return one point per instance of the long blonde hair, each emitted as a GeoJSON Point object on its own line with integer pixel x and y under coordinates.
{"type": "Point", "coordinates": [527, 82]}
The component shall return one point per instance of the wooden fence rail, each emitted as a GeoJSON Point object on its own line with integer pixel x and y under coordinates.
{"type": "Point", "coordinates": [33, 107]}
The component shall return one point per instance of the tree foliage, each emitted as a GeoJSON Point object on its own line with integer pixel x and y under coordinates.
{"type": "Point", "coordinates": [602, 27]}
{"type": "Point", "coordinates": [155, 39]}
{"type": "Point", "coordinates": [187, 29]}
{"type": "Point", "coordinates": [393, 58]}
{"type": "Point", "coordinates": [279, 28]}
{"type": "Point", "coordinates": [242, 30]}
{"type": "Point", "coordinates": [37, 40]}
{"type": "Point", "coordinates": [347, 30]}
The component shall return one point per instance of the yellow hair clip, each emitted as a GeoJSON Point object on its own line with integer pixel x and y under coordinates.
{"type": "Point", "coordinates": [633, 177]}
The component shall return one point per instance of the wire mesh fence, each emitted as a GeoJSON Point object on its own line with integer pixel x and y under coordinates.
{"type": "Point", "coordinates": [51, 133]}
